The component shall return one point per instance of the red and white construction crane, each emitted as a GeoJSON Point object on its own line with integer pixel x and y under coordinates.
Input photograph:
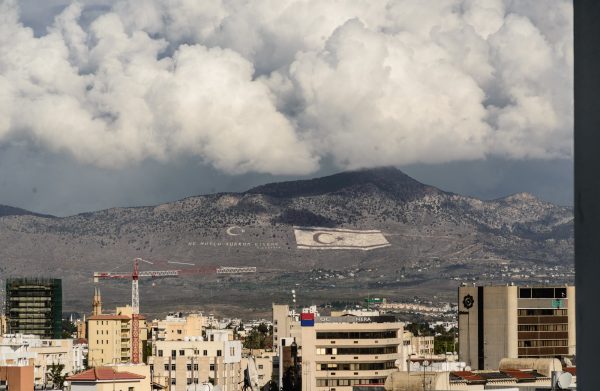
{"type": "Point", "coordinates": [135, 293]}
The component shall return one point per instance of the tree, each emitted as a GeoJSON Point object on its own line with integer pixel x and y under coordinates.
{"type": "Point", "coordinates": [55, 375]}
{"type": "Point", "coordinates": [68, 329]}
{"type": "Point", "coordinates": [263, 328]}
{"type": "Point", "coordinates": [260, 337]}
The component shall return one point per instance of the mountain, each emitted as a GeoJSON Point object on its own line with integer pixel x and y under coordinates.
{"type": "Point", "coordinates": [12, 211]}
{"type": "Point", "coordinates": [437, 239]}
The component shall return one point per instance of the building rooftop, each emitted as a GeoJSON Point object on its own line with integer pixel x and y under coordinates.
{"type": "Point", "coordinates": [113, 317]}
{"type": "Point", "coordinates": [483, 377]}
{"type": "Point", "coordinates": [103, 374]}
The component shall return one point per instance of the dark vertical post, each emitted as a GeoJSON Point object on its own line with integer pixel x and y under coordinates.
{"type": "Point", "coordinates": [480, 330]}
{"type": "Point", "coordinates": [587, 189]}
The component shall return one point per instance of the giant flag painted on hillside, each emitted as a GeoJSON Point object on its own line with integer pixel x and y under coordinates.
{"type": "Point", "coordinates": [319, 238]}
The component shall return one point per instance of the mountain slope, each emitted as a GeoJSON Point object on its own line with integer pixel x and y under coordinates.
{"type": "Point", "coordinates": [12, 211]}
{"type": "Point", "coordinates": [434, 236]}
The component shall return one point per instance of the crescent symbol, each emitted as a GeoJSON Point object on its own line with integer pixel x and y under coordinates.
{"type": "Point", "coordinates": [317, 238]}
{"type": "Point", "coordinates": [230, 231]}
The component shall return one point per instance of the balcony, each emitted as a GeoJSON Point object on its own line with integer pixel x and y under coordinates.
{"type": "Point", "coordinates": [356, 357]}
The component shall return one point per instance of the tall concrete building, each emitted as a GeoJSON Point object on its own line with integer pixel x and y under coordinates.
{"type": "Point", "coordinates": [339, 352]}
{"type": "Point", "coordinates": [286, 324]}
{"type": "Point", "coordinates": [109, 337]}
{"type": "Point", "coordinates": [34, 306]}
{"type": "Point", "coordinates": [498, 322]}
{"type": "Point", "coordinates": [342, 352]}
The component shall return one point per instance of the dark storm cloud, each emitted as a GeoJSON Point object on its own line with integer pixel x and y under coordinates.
{"type": "Point", "coordinates": [143, 94]}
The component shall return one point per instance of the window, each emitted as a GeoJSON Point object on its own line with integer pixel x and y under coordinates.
{"type": "Point", "coordinates": [542, 293]}
{"type": "Point", "coordinates": [232, 351]}
{"type": "Point", "coordinates": [195, 367]}
{"type": "Point", "coordinates": [182, 352]}
{"type": "Point", "coordinates": [166, 367]}
{"type": "Point", "coordinates": [212, 367]}
{"type": "Point", "coordinates": [173, 381]}
{"type": "Point", "coordinates": [219, 353]}
{"type": "Point", "coordinates": [179, 332]}
{"type": "Point", "coordinates": [173, 367]}
{"type": "Point", "coordinates": [358, 334]}
{"type": "Point", "coordinates": [260, 366]}
{"type": "Point", "coordinates": [173, 353]}
{"type": "Point", "coordinates": [189, 381]}
{"type": "Point", "coordinates": [160, 353]}
{"type": "Point", "coordinates": [378, 350]}
{"type": "Point", "coordinates": [525, 293]}
{"type": "Point", "coordinates": [189, 368]}
{"type": "Point", "coordinates": [129, 388]}
{"type": "Point", "coordinates": [205, 352]}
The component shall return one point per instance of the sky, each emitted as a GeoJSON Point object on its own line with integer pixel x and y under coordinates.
{"type": "Point", "coordinates": [137, 102]}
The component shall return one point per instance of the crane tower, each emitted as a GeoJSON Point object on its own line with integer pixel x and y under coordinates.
{"type": "Point", "coordinates": [135, 293]}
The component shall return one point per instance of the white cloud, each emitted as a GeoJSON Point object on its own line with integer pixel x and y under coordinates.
{"type": "Point", "coordinates": [273, 86]}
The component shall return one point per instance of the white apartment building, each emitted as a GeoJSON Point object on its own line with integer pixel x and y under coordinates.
{"type": "Point", "coordinates": [179, 364]}
{"type": "Point", "coordinates": [19, 349]}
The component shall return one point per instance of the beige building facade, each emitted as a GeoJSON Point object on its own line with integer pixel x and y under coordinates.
{"type": "Point", "coordinates": [286, 324]}
{"type": "Point", "coordinates": [109, 337]}
{"type": "Point", "coordinates": [497, 322]}
{"type": "Point", "coordinates": [179, 364]}
{"type": "Point", "coordinates": [264, 364]}
{"type": "Point", "coordinates": [176, 327]}
{"type": "Point", "coordinates": [422, 346]}
{"type": "Point", "coordinates": [341, 352]}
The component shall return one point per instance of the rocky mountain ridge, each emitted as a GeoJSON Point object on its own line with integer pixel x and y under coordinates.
{"type": "Point", "coordinates": [421, 222]}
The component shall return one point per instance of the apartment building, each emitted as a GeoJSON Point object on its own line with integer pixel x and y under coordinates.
{"type": "Point", "coordinates": [175, 327]}
{"type": "Point", "coordinates": [42, 354]}
{"type": "Point", "coordinates": [497, 322]}
{"type": "Point", "coordinates": [286, 323]}
{"type": "Point", "coordinates": [34, 306]}
{"type": "Point", "coordinates": [342, 352]}
{"type": "Point", "coordinates": [418, 345]}
{"type": "Point", "coordinates": [109, 337]}
{"type": "Point", "coordinates": [178, 364]}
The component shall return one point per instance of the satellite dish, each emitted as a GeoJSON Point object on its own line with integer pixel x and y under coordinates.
{"type": "Point", "coordinates": [564, 380]}
{"type": "Point", "coordinates": [253, 373]}
{"type": "Point", "coordinates": [467, 368]}
{"type": "Point", "coordinates": [425, 363]}
{"type": "Point", "coordinates": [205, 387]}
